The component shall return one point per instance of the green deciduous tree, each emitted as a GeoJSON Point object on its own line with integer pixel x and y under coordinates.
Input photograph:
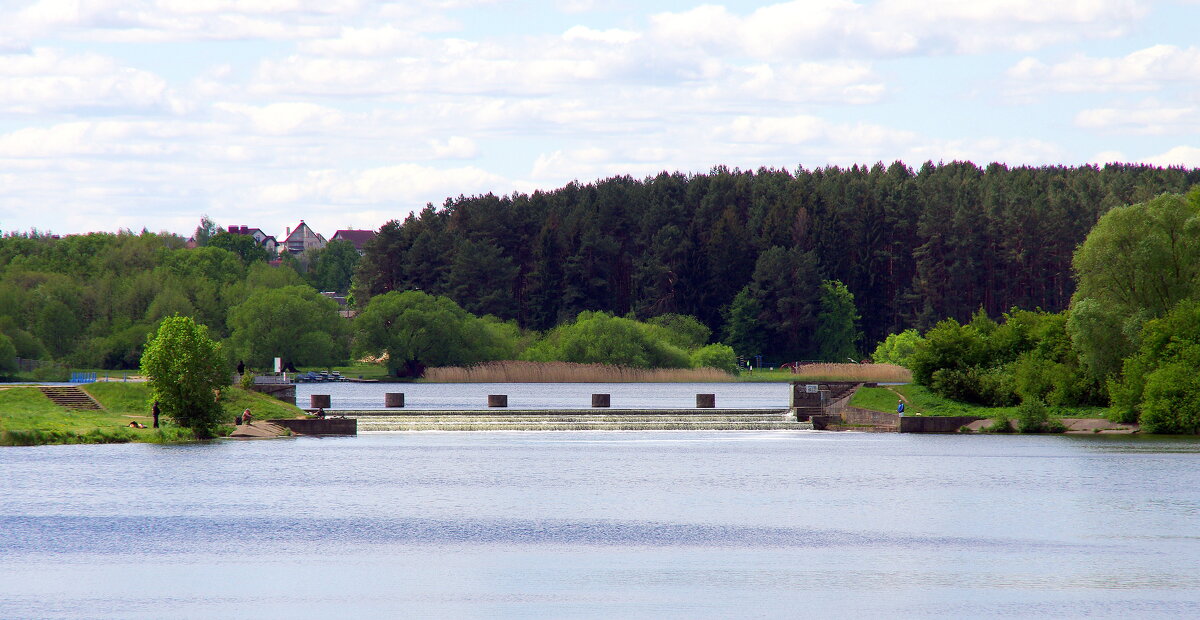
{"type": "Point", "coordinates": [205, 231]}
{"type": "Point", "coordinates": [897, 348]}
{"type": "Point", "coordinates": [837, 323]}
{"type": "Point", "coordinates": [332, 267]}
{"type": "Point", "coordinates": [417, 330]}
{"type": "Point", "coordinates": [243, 245]}
{"type": "Point", "coordinates": [295, 323]}
{"type": "Point", "coordinates": [600, 338]}
{"type": "Point", "coordinates": [743, 328]}
{"type": "Point", "coordinates": [717, 356]}
{"type": "Point", "coordinates": [1135, 265]}
{"type": "Point", "coordinates": [1159, 386]}
{"type": "Point", "coordinates": [185, 369]}
{"type": "Point", "coordinates": [8, 356]}
{"type": "Point", "coordinates": [681, 330]}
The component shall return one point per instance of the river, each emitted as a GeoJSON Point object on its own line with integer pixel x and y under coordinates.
{"type": "Point", "coordinates": [600, 525]}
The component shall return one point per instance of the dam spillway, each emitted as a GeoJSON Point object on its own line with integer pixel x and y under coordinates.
{"type": "Point", "coordinates": [582, 420]}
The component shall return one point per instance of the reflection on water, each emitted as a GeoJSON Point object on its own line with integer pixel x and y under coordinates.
{"type": "Point", "coordinates": [601, 525]}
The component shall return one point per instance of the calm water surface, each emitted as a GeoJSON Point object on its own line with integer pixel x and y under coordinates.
{"type": "Point", "coordinates": [602, 525]}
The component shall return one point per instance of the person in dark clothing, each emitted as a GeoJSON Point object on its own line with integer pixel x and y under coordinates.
{"type": "Point", "coordinates": [241, 368]}
{"type": "Point", "coordinates": [155, 410]}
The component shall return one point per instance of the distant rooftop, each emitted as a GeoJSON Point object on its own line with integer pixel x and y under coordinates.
{"type": "Point", "coordinates": [357, 237]}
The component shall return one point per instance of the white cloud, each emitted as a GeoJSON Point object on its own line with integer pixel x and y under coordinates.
{"type": "Point", "coordinates": [402, 183]}
{"type": "Point", "coordinates": [454, 147]}
{"type": "Point", "coordinates": [286, 118]}
{"type": "Point", "coordinates": [613, 36]}
{"type": "Point", "coordinates": [1188, 156]}
{"type": "Point", "coordinates": [50, 80]}
{"type": "Point", "coordinates": [1149, 118]}
{"type": "Point", "coordinates": [1152, 68]}
{"type": "Point", "coordinates": [894, 27]}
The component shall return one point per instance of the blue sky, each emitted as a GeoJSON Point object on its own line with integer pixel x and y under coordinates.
{"type": "Point", "coordinates": [349, 113]}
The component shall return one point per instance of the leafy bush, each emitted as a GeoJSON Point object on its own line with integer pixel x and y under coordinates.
{"type": "Point", "coordinates": [600, 338]}
{"type": "Point", "coordinates": [48, 372]}
{"type": "Point", "coordinates": [1001, 424]}
{"type": "Point", "coordinates": [1158, 386]}
{"type": "Point", "coordinates": [897, 348]}
{"type": "Point", "coordinates": [947, 346]}
{"type": "Point", "coordinates": [989, 387]}
{"type": "Point", "coordinates": [1034, 417]}
{"type": "Point", "coordinates": [717, 356]}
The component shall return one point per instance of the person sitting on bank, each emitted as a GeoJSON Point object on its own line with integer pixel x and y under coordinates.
{"type": "Point", "coordinates": [247, 416]}
{"type": "Point", "coordinates": [136, 424]}
{"type": "Point", "coordinates": [320, 413]}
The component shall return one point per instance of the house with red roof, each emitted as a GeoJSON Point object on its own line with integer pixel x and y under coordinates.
{"type": "Point", "coordinates": [358, 238]}
{"type": "Point", "coordinates": [261, 238]}
{"type": "Point", "coordinates": [301, 239]}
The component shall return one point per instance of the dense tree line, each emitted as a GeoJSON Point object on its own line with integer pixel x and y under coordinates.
{"type": "Point", "coordinates": [91, 300]}
{"type": "Point", "coordinates": [1129, 339]}
{"type": "Point", "coordinates": [765, 258]}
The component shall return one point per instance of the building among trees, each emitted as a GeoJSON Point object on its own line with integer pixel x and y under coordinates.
{"type": "Point", "coordinates": [268, 242]}
{"type": "Point", "coordinates": [301, 239]}
{"type": "Point", "coordinates": [358, 238]}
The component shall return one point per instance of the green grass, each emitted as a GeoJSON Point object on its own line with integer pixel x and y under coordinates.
{"type": "Point", "coordinates": [359, 371]}
{"type": "Point", "coordinates": [921, 400]}
{"type": "Point", "coordinates": [763, 375]}
{"type": "Point", "coordinates": [121, 397]}
{"type": "Point", "coordinates": [27, 417]}
{"type": "Point", "coordinates": [234, 400]}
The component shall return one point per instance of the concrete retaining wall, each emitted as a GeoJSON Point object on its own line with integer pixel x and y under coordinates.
{"type": "Point", "coordinates": [285, 392]}
{"type": "Point", "coordinates": [935, 424]}
{"type": "Point", "coordinates": [854, 415]}
{"type": "Point", "coordinates": [328, 426]}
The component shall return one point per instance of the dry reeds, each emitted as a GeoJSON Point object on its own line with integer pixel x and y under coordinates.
{"type": "Point", "coordinates": [867, 373]}
{"type": "Point", "coordinates": [568, 372]}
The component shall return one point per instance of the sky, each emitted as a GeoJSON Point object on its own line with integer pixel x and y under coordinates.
{"type": "Point", "coordinates": [132, 114]}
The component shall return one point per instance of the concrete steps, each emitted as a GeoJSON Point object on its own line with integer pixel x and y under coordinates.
{"type": "Point", "coordinates": [70, 397]}
{"type": "Point", "coordinates": [756, 420]}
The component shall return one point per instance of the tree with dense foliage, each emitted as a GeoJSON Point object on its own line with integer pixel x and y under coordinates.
{"type": "Point", "coordinates": [294, 323]}
{"type": "Point", "coordinates": [206, 231]}
{"type": "Point", "coordinates": [186, 369]}
{"type": "Point", "coordinates": [1159, 386]}
{"type": "Point", "coordinates": [1135, 265]}
{"type": "Point", "coordinates": [8, 356]}
{"type": "Point", "coordinates": [913, 246]}
{"type": "Point", "coordinates": [245, 246]}
{"type": "Point", "coordinates": [743, 328]}
{"type": "Point", "coordinates": [601, 338]}
{"type": "Point", "coordinates": [680, 330]}
{"type": "Point", "coordinates": [837, 332]}
{"type": "Point", "coordinates": [717, 356]}
{"type": "Point", "coordinates": [415, 330]}
{"type": "Point", "coordinates": [897, 348]}
{"type": "Point", "coordinates": [332, 267]}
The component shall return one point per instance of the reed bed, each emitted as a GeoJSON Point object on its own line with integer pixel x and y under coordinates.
{"type": "Point", "coordinates": [568, 372]}
{"type": "Point", "coordinates": [867, 373]}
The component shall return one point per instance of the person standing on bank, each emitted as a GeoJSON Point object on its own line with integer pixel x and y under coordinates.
{"type": "Point", "coordinates": [155, 410]}
{"type": "Point", "coordinates": [900, 408]}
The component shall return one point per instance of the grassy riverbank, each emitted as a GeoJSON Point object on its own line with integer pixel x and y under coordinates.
{"type": "Point", "coordinates": [919, 400]}
{"type": "Point", "coordinates": [28, 417]}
